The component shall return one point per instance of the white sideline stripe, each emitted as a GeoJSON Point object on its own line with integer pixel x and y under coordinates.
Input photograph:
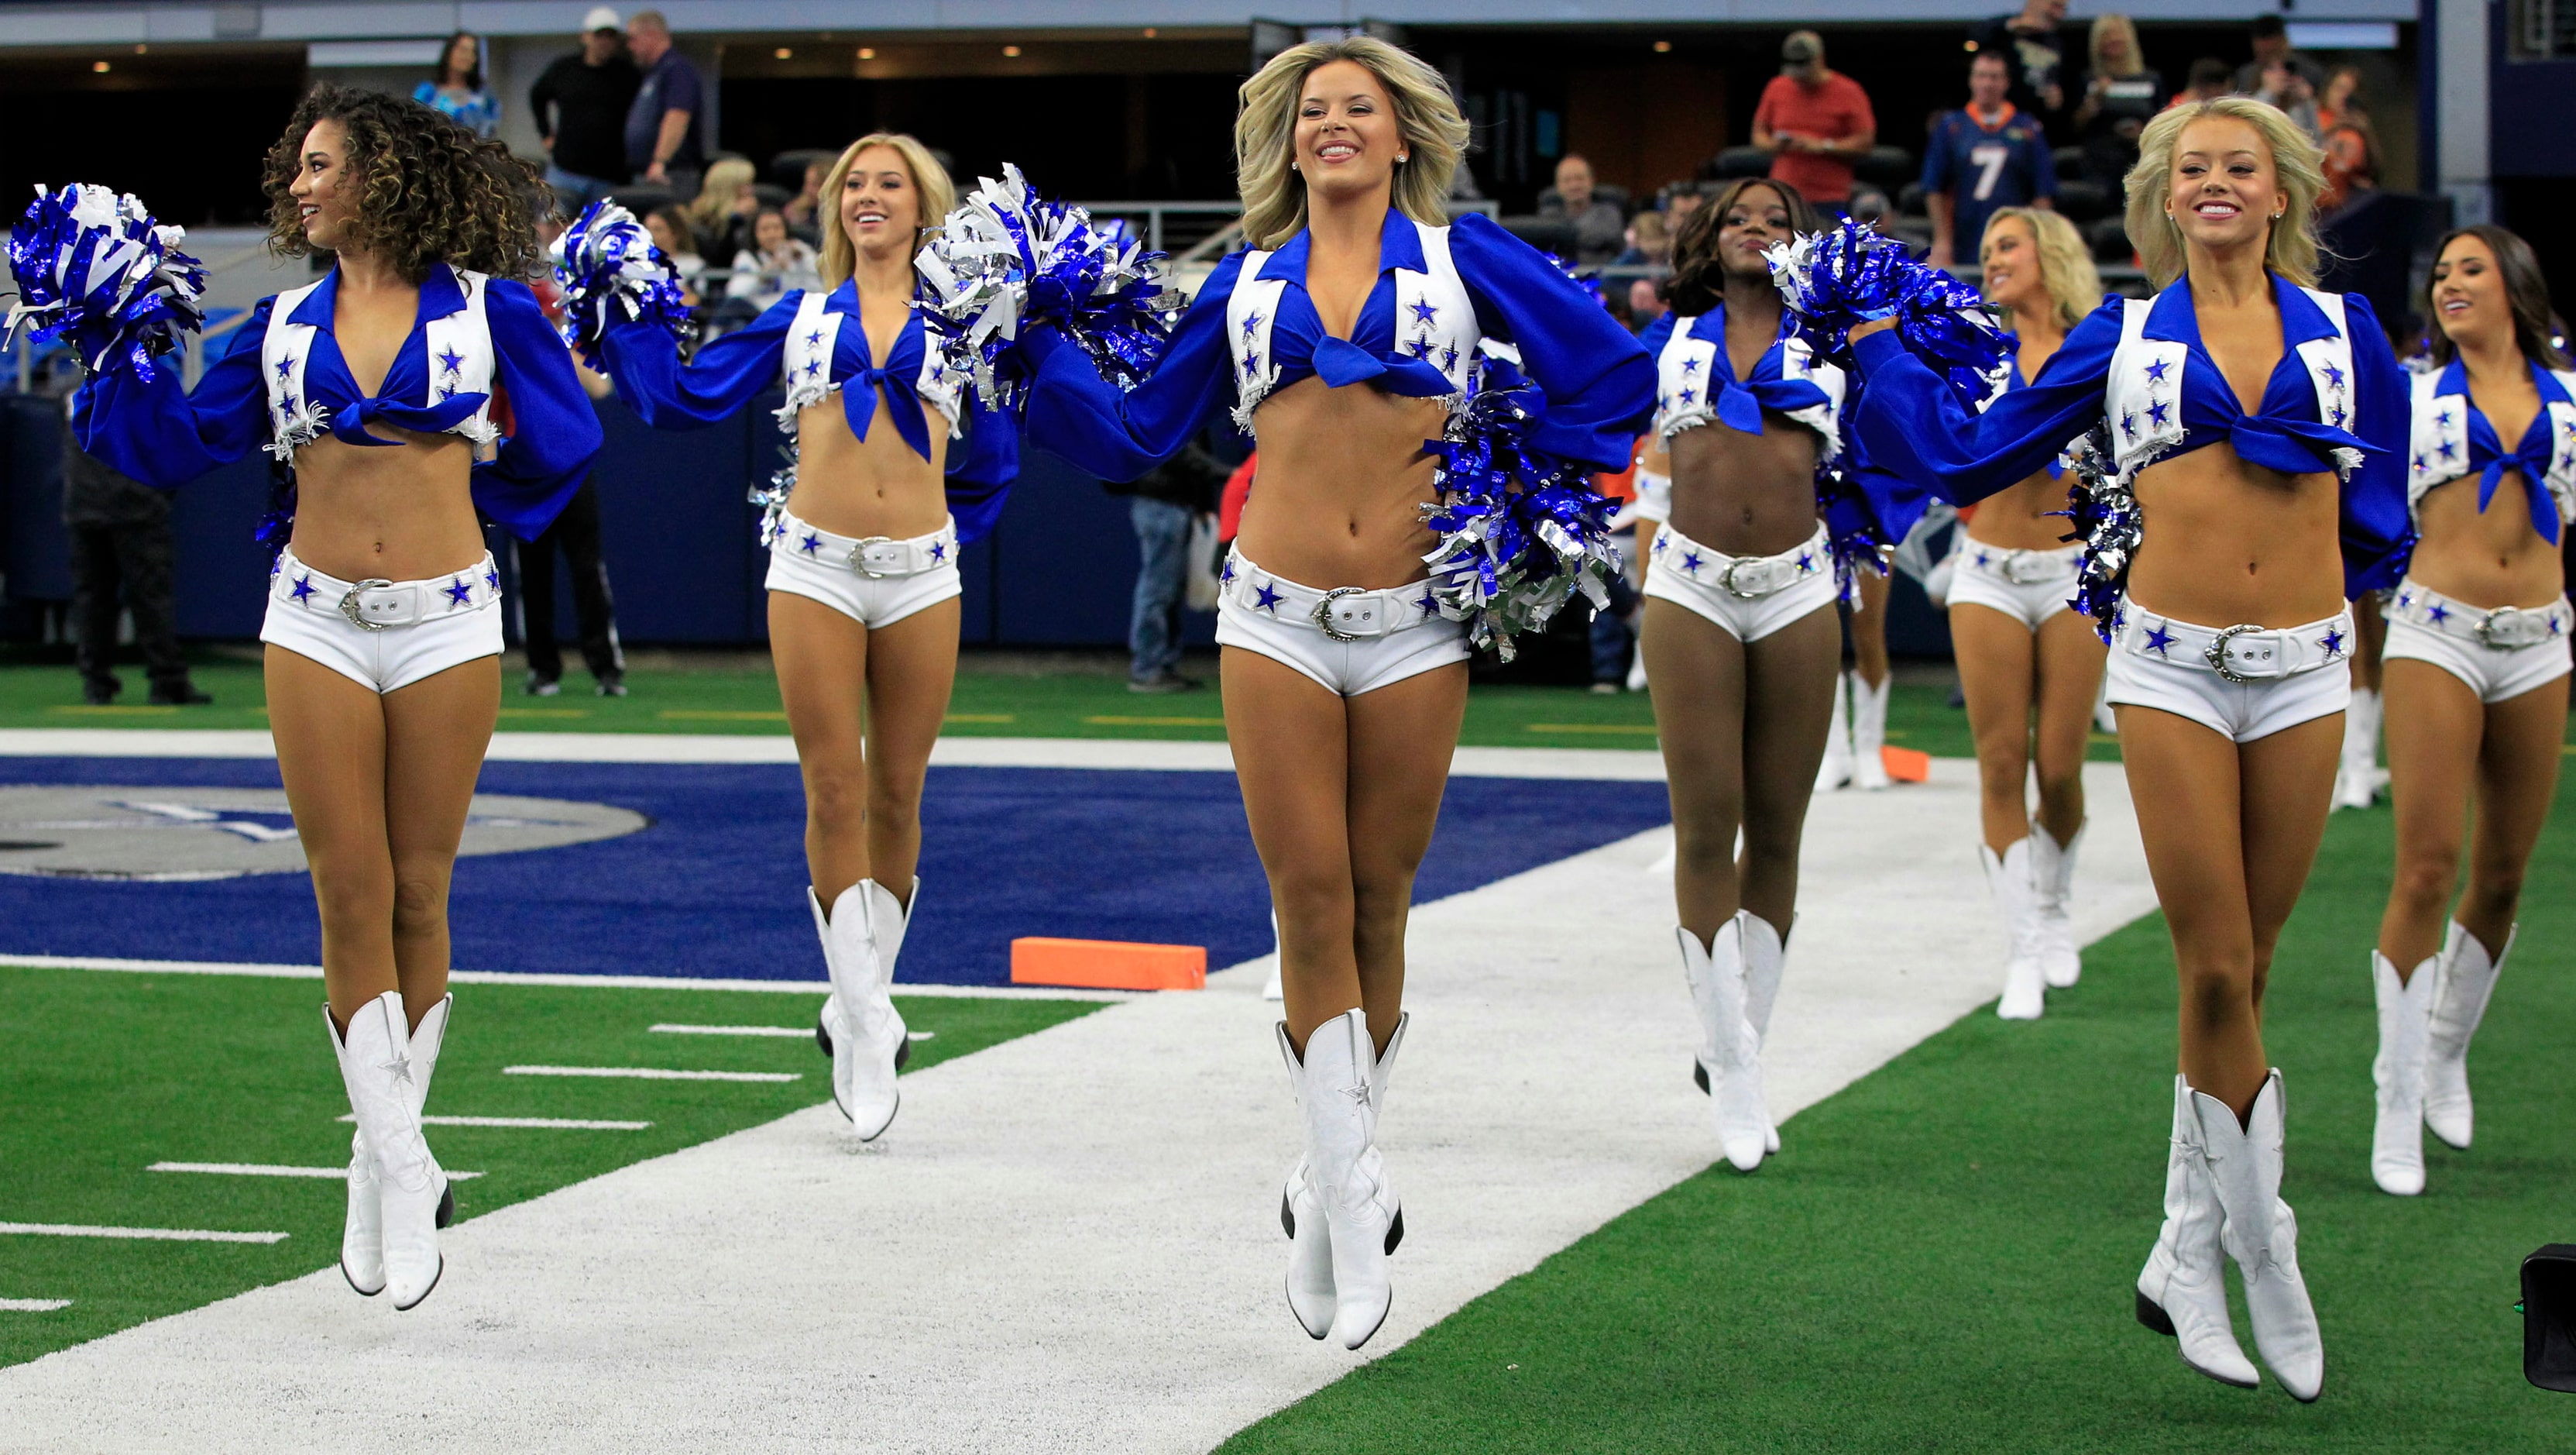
{"type": "Point", "coordinates": [32, 1305]}
{"type": "Point", "coordinates": [164, 1235]}
{"type": "Point", "coordinates": [796, 1032]}
{"type": "Point", "coordinates": [575, 982]}
{"type": "Point", "coordinates": [551, 1124]}
{"type": "Point", "coordinates": [262, 1169]}
{"type": "Point", "coordinates": [652, 1073]}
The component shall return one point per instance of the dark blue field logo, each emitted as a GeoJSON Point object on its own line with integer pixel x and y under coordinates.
{"type": "Point", "coordinates": [161, 833]}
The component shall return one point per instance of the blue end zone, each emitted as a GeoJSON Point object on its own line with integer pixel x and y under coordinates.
{"type": "Point", "coordinates": [715, 886]}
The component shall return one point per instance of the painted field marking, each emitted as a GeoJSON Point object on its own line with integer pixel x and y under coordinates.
{"type": "Point", "coordinates": [795, 1032]}
{"type": "Point", "coordinates": [549, 1124]}
{"type": "Point", "coordinates": [651, 1073]}
{"type": "Point", "coordinates": [1646, 729]}
{"type": "Point", "coordinates": [163, 1235]}
{"type": "Point", "coordinates": [981, 717]}
{"type": "Point", "coordinates": [559, 981]}
{"type": "Point", "coordinates": [1111, 720]}
{"type": "Point", "coordinates": [710, 715]}
{"type": "Point", "coordinates": [545, 712]}
{"type": "Point", "coordinates": [32, 1305]}
{"type": "Point", "coordinates": [262, 1169]}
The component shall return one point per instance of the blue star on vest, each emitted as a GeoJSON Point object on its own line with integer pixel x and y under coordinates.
{"type": "Point", "coordinates": [459, 591]}
{"type": "Point", "coordinates": [446, 391]}
{"type": "Point", "coordinates": [1423, 310]}
{"type": "Point", "coordinates": [1689, 367]}
{"type": "Point", "coordinates": [2334, 377]}
{"type": "Point", "coordinates": [2128, 424]}
{"type": "Point", "coordinates": [2420, 461]}
{"type": "Point", "coordinates": [288, 404]}
{"type": "Point", "coordinates": [286, 366]}
{"type": "Point", "coordinates": [1689, 394]}
{"type": "Point", "coordinates": [2449, 450]}
{"type": "Point", "coordinates": [2160, 641]}
{"type": "Point", "coordinates": [1421, 348]}
{"type": "Point", "coordinates": [814, 340]}
{"type": "Point", "coordinates": [811, 544]}
{"type": "Point", "coordinates": [2340, 415]}
{"type": "Point", "coordinates": [303, 588]}
{"type": "Point", "coordinates": [2443, 419]}
{"type": "Point", "coordinates": [1251, 363]}
{"type": "Point", "coordinates": [451, 362]}
{"type": "Point", "coordinates": [938, 552]}
{"type": "Point", "coordinates": [1251, 323]}
{"type": "Point", "coordinates": [2156, 370]}
{"type": "Point", "coordinates": [2438, 613]}
{"type": "Point", "coordinates": [938, 372]}
{"type": "Point", "coordinates": [1449, 360]}
{"type": "Point", "coordinates": [813, 367]}
{"type": "Point", "coordinates": [1429, 603]}
{"type": "Point", "coordinates": [1691, 562]}
{"type": "Point", "coordinates": [2332, 641]}
{"type": "Point", "coordinates": [1268, 600]}
{"type": "Point", "coordinates": [2158, 411]}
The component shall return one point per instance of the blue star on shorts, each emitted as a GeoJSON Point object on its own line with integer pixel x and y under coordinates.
{"type": "Point", "coordinates": [2160, 641]}
{"type": "Point", "coordinates": [459, 591]}
{"type": "Point", "coordinates": [1268, 600]}
{"type": "Point", "coordinates": [2332, 641]}
{"type": "Point", "coordinates": [303, 588]}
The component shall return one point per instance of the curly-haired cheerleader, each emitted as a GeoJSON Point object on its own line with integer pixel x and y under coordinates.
{"type": "Point", "coordinates": [863, 581]}
{"type": "Point", "coordinates": [414, 385]}
{"type": "Point", "coordinates": [2253, 428]}
{"type": "Point", "coordinates": [1358, 310]}
{"type": "Point", "coordinates": [2475, 676]}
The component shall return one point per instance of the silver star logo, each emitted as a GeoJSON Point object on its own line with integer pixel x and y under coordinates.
{"type": "Point", "coordinates": [400, 1066]}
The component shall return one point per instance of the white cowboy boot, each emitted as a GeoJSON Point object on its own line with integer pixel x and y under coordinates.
{"type": "Point", "coordinates": [2468, 978]}
{"type": "Point", "coordinates": [1301, 1204]}
{"type": "Point", "coordinates": [1765, 956]}
{"type": "Point", "coordinates": [2008, 878]}
{"type": "Point", "coordinates": [1869, 733]}
{"type": "Point", "coordinates": [1729, 1060]}
{"type": "Point", "coordinates": [1336, 1092]}
{"type": "Point", "coordinates": [2357, 777]}
{"type": "Point", "coordinates": [889, 946]}
{"type": "Point", "coordinates": [362, 1253]}
{"type": "Point", "coordinates": [2182, 1292]}
{"type": "Point", "coordinates": [2052, 882]}
{"type": "Point", "coordinates": [2262, 1235]}
{"type": "Point", "coordinates": [383, 1083]}
{"type": "Point", "coordinates": [1836, 770]}
{"type": "Point", "coordinates": [2405, 1027]}
{"type": "Point", "coordinates": [865, 1032]}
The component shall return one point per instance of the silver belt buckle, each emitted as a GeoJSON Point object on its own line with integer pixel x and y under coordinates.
{"type": "Point", "coordinates": [2017, 568]}
{"type": "Point", "coordinates": [2495, 640]}
{"type": "Point", "coordinates": [354, 611]}
{"type": "Point", "coordinates": [860, 563]}
{"type": "Point", "coordinates": [1726, 578]}
{"type": "Point", "coordinates": [2216, 652]}
{"type": "Point", "coordinates": [1323, 613]}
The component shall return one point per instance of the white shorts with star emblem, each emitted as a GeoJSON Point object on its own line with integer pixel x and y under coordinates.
{"type": "Point", "coordinates": [2272, 679]}
{"type": "Point", "coordinates": [2500, 654]}
{"type": "Point", "coordinates": [1348, 640]}
{"type": "Point", "coordinates": [875, 582]}
{"type": "Point", "coordinates": [2028, 586]}
{"type": "Point", "coordinates": [1750, 597]}
{"type": "Point", "coordinates": [384, 635]}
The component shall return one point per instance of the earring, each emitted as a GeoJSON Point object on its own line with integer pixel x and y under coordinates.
{"type": "Point", "coordinates": [1402, 157]}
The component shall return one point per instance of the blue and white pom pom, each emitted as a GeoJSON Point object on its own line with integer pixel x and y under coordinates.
{"type": "Point", "coordinates": [611, 272]}
{"type": "Point", "coordinates": [95, 271]}
{"type": "Point", "coordinates": [1004, 261]}
{"type": "Point", "coordinates": [2108, 522]}
{"type": "Point", "coordinates": [1836, 280]}
{"type": "Point", "coordinates": [1520, 530]}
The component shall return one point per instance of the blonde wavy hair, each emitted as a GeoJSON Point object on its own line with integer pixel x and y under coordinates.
{"type": "Point", "coordinates": [932, 190]}
{"type": "Point", "coordinates": [2065, 267]}
{"type": "Point", "coordinates": [2293, 251]}
{"type": "Point", "coordinates": [1265, 135]}
{"type": "Point", "coordinates": [2105, 25]}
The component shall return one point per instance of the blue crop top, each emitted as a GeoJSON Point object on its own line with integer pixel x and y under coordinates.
{"type": "Point", "coordinates": [1738, 402]}
{"type": "Point", "coordinates": [1597, 381]}
{"type": "Point", "coordinates": [155, 432]}
{"type": "Point", "coordinates": [2454, 438]}
{"type": "Point", "coordinates": [1912, 423]}
{"type": "Point", "coordinates": [735, 369]}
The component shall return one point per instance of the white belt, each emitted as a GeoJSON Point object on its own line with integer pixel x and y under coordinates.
{"type": "Point", "coordinates": [377, 604]}
{"type": "Point", "coordinates": [2021, 568]}
{"type": "Point", "coordinates": [873, 556]}
{"type": "Point", "coordinates": [1747, 577]}
{"type": "Point", "coordinates": [1344, 613]}
{"type": "Point", "coordinates": [2238, 653]}
{"type": "Point", "coordinates": [2499, 628]}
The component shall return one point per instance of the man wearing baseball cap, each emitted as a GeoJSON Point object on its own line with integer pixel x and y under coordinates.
{"type": "Point", "coordinates": [1815, 123]}
{"type": "Point", "coordinates": [580, 104]}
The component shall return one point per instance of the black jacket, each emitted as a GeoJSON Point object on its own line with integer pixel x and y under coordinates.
{"type": "Point", "coordinates": [589, 105]}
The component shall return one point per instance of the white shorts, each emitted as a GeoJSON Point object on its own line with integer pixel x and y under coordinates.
{"type": "Point", "coordinates": [1750, 597]}
{"type": "Point", "coordinates": [2162, 663]}
{"type": "Point", "coordinates": [1376, 638]}
{"type": "Point", "coordinates": [875, 582]}
{"type": "Point", "coordinates": [2028, 586]}
{"type": "Point", "coordinates": [2499, 654]}
{"type": "Point", "coordinates": [1654, 496]}
{"type": "Point", "coordinates": [410, 630]}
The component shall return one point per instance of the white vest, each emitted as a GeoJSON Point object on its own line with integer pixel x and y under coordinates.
{"type": "Point", "coordinates": [1446, 339]}
{"type": "Point", "coordinates": [295, 420]}
{"type": "Point", "coordinates": [805, 365]}
{"type": "Point", "coordinates": [2438, 442]}
{"type": "Point", "coordinates": [2147, 373]}
{"type": "Point", "coordinates": [1690, 365]}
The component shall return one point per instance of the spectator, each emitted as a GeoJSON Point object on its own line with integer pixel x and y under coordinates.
{"type": "Point", "coordinates": [720, 216]}
{"type": "Point", "coordinates": [1650, 243]}
{"type": "Point", "coordinates": [2034, 54]}
{"type": "Point", "coordinates": [2209, 80]}
{"type": "Point", "coordinates": [1677, 199]}
{"type": "Point", "coordinates": [121, 543]}
{"type": "Point", "coordinates": [580, 104]}
{"type": "Point", "coordinates": [1645, 304]}
{"type": "Point", "coordinates": [1815, 123]}
{"type": "Point", "coordinates": [1598, 224]}
{"type": "Point", "coordinates": [665, 127]}
{"type": "Point", "coordinates": [2120, 97]}
{"type": "Point", "coordinates": [1986, 156]}
{"type": "Point", "coordinates": [2280, 75]}
{"type": "Point", "coordinates": [669, 227]}
{"type": "Point", "coordinates": [2351, 147]}
{"type": "Point", "coordinates": [802, 208]}
{"type": "Point", "coordinates": [775, 263]}
{"type": "Point", "coordinates": [457, 90]}
{"type": "Point", "coordinates": [1164, 506]}
{"type": "Point", "coordinates": [575, 533]}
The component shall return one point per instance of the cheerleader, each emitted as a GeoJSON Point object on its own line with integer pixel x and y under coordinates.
{"type": "Point", "coordinates": [2022, 653]}
{"type": "Point", "coordinates": [2252, 424]}
{"type": "Point", "coordinates": [863, 533]}
{"type": "Point", "coordinates": [382, 389]}
{"type": "Point", "coordinates": [1359, 309]}
{"type": "Point", "coordinates": [1743, 644]}
{"type": "Point", "coordinates": [2475, 673]}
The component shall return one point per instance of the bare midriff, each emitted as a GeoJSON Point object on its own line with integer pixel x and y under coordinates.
{"type": "Point", "coordinates": [2018, 518]}
{"type": "Point", "coordinates": [1745, 494]}
{"type": "Point", "coordinates": [392, 513]}
{"type": "Point", "coordinates": [869, 487]}
{"type": "Point", "coordinates": [2229, 543]}
{"type": "Point", "coordinates": [1343, 479]}
{"type": "Point", "coordinates": [2485, 558]}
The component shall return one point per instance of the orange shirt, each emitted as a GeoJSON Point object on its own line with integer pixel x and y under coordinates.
{"type": "Point", "coordinates": [1837, 110]}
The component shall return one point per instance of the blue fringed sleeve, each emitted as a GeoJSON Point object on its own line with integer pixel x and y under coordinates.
{"type": "Point", "coordinates": [554, 431]}
{"type": "Point", "coordinates": [1911, 423]}
{"type": "Point", "coordinates": [1598, 379]}
{"type": "Point", "coordinates": [727, 374]}
{"type": "Point", "coordinates": [1075, 413]}
{"type": "Point", "coordinates": [163, 435]}
{"type": "Point", "coordinates": [2378, 533]}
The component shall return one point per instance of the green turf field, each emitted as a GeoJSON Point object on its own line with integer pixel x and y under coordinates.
{"type": "Point", "coordinates": [1942, 1256]}
{"type": "Point", "coordinates": [112, 1072]}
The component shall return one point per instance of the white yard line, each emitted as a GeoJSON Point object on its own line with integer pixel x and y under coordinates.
{"type": "Point", "coordinates": [796, 1033]}
{"type": "Point", "coordinates": [32, 1305]}
{"type": "Point", "coordinates": [572, 982]}
{"type": "Point", "coordinates": [1070, 1241]}
{"type": "Point", "coordinates": [651, 1073]}
{"type": "Point", "coordinates": [158, 1235]}
{"type": "Point", "coordinates": [549, 1124]}
{"type": "Point", "coordinates": [264, 1169]}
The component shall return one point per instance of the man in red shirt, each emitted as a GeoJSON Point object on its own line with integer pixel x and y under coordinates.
{"type": "Point", "coordinates": [1815, 123]}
